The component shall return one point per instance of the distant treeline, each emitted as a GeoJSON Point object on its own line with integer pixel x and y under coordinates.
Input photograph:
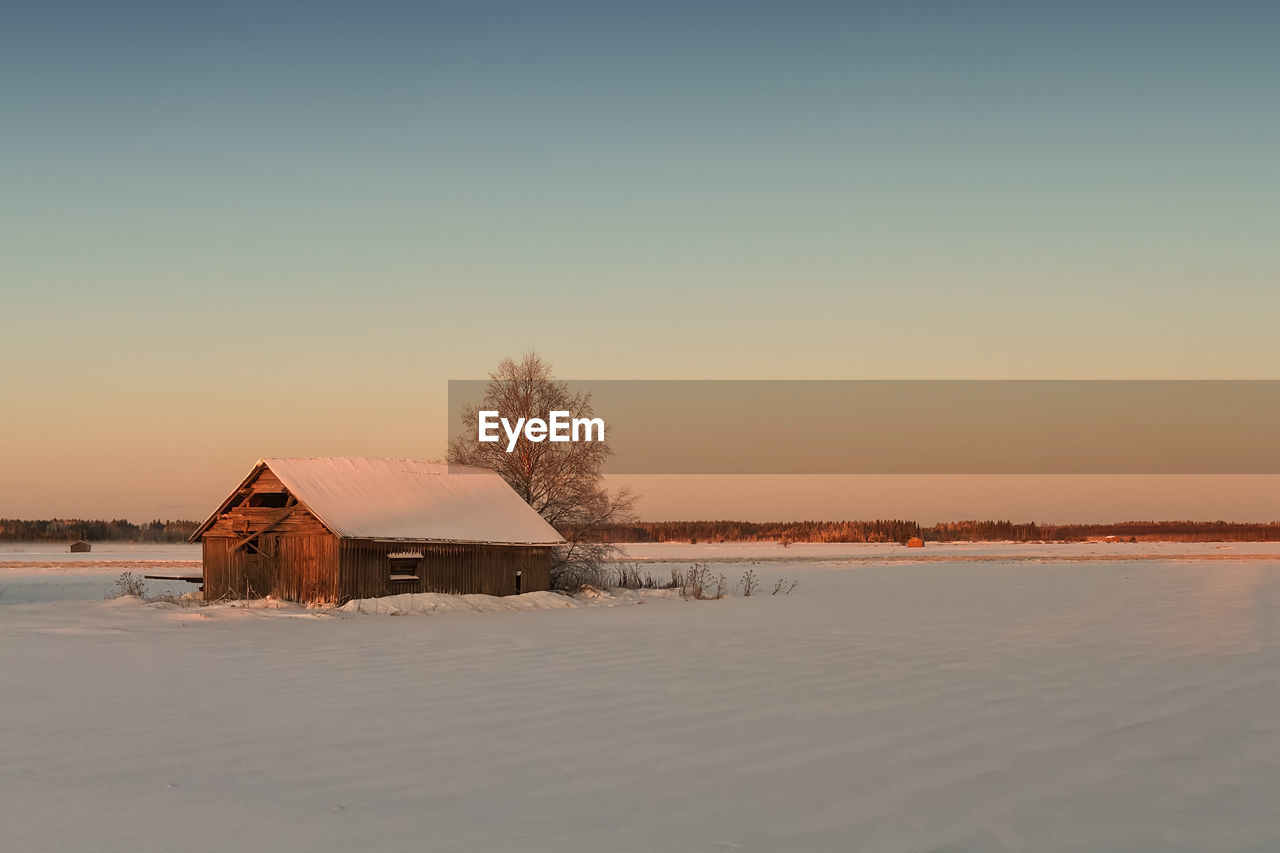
{"type": "Point", "coordinates": [1149, 531]}
{"type": "Point", "coordinates": [898, 530]}
{"type": "Point", "coordinates": [71, 529]}
{"type": "Point", "coordinates": [879, 530]}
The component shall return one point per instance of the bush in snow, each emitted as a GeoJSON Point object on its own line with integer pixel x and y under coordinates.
{"type": "Point", "coordinates": [692, 582]}
{"type": "Point", "coordinates": [130, 584]}
{"type": "Point", "coordinates": [784, 586]}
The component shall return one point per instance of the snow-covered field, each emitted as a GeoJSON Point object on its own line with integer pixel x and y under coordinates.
{"type": "Point", "coordinates": [1124, 702]}
{"type": "Point", "coordinates": [855, 551]}
{"type": "Point", "coordinates": [49, 572]}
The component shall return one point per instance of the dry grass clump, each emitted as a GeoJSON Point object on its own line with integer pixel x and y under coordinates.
{"type": "Point", "coordinates": [128, 584]}
{"type": "Point", "coordinates": [697, 582]}
{"type": "Point", "coordinates": [784, 586]}
{"type": "Point", "coordinates": [629, 576]}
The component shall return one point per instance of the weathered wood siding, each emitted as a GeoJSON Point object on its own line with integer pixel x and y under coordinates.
{"type": "Point", "coordinates": [229, 573]}
{"type": "Point", "coordinates": [308, 567]}
{"type": "Point", "coordinates": [295, 567]}
{"type": "Point", "coordinates": [455, 569]}
{"type": "Point", "coordinates": [242, 519]}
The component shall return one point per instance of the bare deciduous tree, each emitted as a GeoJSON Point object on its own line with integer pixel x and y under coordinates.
{"type": "Point", "coordinates": [561, 480]}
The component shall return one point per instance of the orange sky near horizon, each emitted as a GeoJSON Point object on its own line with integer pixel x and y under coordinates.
{"type": "Point", "coordinates": [155, 468]}
{"type": "Point", "coordinates": [143, 456]}
{"type": "Point", "coordinates": [176, 454]}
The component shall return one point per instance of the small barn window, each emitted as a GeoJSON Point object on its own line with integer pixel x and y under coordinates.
{"type": "Point", "coordinates": [405, 567]}
{"type": "Point", "coordinates": [519, 578]}
{"type": "Point", "coordinates": [270, 499]}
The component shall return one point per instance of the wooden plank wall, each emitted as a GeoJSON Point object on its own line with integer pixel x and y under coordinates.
{"type": "Point", "coordinates": [231, 573]}
{"type": "Point", "coordinates": [216, 552]}
{"type": "Point", "coordinates": [308, 567]}
{"type": "Point", "coordinates": [293, 567]}
{"type": "Point", "coordinates": [455, 569]}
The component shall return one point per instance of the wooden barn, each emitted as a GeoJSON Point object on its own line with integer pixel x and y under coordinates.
{"type": "Point", "coordinates": [337, 528]}
{"type": "Point", "coordinates": [81, 547]}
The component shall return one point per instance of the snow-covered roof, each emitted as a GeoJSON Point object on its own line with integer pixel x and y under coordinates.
{"type": "Point", "coordinates": [406, 499]}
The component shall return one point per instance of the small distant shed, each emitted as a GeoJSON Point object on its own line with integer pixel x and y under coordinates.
{"type": "Point", "coordinates": [915, 542]}
{"type": "Point", "coordinates": [336, 528]}
{"type": "Point", "coordinates": [80, 547]}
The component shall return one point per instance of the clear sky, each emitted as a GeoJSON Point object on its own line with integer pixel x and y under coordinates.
{"type": "Point", "coordinates": [235, 230]}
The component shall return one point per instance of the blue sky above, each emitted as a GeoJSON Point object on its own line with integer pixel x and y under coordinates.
{"type": "Point", "coordinates": [208, 201]}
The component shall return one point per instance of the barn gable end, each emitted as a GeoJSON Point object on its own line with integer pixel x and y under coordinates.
{"type": "Point", "coordinates": [263, 541]}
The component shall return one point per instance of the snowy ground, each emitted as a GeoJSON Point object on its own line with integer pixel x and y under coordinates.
{"type": "Point", "coordinates": [1103, 705]}
{"type": "Point", "coordinates": [49, 572]}
{"type": "Point", "coordinates": [856, 551]}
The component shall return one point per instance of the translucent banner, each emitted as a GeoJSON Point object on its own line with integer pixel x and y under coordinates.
{"type": "Point", "coordinates": [896, 427]}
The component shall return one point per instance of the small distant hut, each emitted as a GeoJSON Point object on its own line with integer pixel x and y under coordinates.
{"type": "Point", "coordinates": [337, 528]}
{"type": "Point", "coordinates": [81, 547]}
{"type": "Point", "coordinates": [915, 542]}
